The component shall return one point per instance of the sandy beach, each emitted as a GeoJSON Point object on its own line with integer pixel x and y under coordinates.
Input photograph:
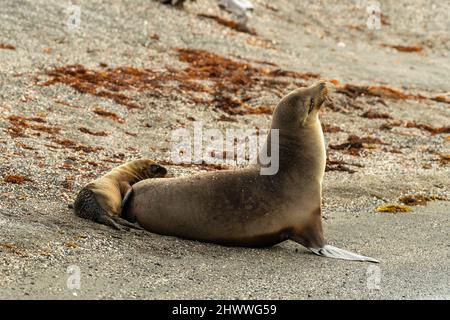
{"type": "Point", "coordinates": [78, 98]}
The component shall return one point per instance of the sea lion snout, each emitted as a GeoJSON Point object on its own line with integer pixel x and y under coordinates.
{"type": "Point", "coordinates": [321, 91]}
{"type": "Point", "coordinates": [157, 170]}
{"type": "Point", "coordinates": [321, 85]}
{"type": "Point", "coordinates": [316, 95]}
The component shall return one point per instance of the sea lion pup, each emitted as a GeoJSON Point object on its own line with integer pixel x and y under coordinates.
{"type": "Point", "coordinates": [101, 199]}
{"type": "Point", "coordinates": [244, 207]}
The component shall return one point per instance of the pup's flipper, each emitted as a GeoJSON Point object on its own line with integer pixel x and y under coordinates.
{"type": "Point", "coordinates": [115, 222]}
{"type": "Point", "coordinates": [336, 253]}
{"type": "Point", "coordinates": [86, 206]}
{"type": "Point", "coordinates": [126, 223]}
{"type": "Point", "coordinates": [107, 221]}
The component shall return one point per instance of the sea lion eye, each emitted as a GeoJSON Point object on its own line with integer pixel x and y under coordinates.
{"type": "Point", "coordinates": [311, 106]}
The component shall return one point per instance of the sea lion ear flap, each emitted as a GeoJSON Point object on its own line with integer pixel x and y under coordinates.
{"type": "Point", "coordinates": [156, 169]}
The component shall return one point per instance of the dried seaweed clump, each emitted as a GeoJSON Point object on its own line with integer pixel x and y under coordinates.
{"type": "Point", "coordinates": [371, 114]}
{"type": "Point", "coordinates": [105, 83]}
{"type": "Point", "coordinates": [67, 143]}
{"type": "Point", "coordinates": [442, 99]}
{"type": "Point", "coordinates": [330, 128]}
{"type": "Point", "coordinates": [413, 124]}
{"type": "Point", "coordinates": [419, 199]}
{"type": "Point", "coordinates": [7, 46]}
{"type": "Point", "coordinates": [353, 91]}
{"type": "Point", "coordinates": [355, 144]}
{"type": "Point", "coordinates": [12, 248]}
{"type": "Point", "coordinates": [93, 133]}
{"type": "Point", "coordinates": [444, 158]}
{"type": "Point", "coordinates": [16, 179]}
{"type": "Point", "coordinates": [232, 80]}
{"type": "Point", "coordinates": [107, 114]}
{"type": "Point", "coordinates": [393, 208]}
{"type": "Point", "coordinates": [337, 165]}
{"type": "Point", "coordinates": [19, 124]}
{"type": "Point", "coordinates": [228, 82]}
{"type": "Point", "coordinates": [401, 48]}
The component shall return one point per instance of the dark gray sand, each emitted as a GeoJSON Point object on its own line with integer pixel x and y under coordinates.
{"type": "Point", "coordinates": [47, 154]}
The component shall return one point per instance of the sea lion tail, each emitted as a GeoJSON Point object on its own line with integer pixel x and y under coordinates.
{"type": "Point", "coordinates": [337, 253]}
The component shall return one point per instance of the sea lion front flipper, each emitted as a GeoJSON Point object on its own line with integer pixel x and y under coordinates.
{"type": "Point", "coordinates": [337, 253]}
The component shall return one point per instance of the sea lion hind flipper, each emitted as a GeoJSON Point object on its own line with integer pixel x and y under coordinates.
{"type": "Point", "coordinates": [116, 222]}
{"type": "Point", "coordinates": [127, 223]}
{"type": "Point", "coordinates": [87, 207]}
{"type": "Point", "coordinates": [107, 221]}
{"type": "Point", "coordinates": [337, 253]}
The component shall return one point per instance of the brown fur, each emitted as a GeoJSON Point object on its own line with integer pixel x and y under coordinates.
{"type": "Point", "coordinates": [101, 199]}
{"type": "Point", "coordinates": [243, 207]}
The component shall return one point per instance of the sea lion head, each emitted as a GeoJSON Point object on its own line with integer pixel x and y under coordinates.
{"type": "Point", "coordinates": [146, 169]}
{"type": "Point", "coordinates": [300, 107]}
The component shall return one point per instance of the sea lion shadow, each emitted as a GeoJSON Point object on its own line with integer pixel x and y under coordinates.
{"type": "Point", "coordinates": [187, 246]}
{"type": "Point", "coordinates": [290, 247]}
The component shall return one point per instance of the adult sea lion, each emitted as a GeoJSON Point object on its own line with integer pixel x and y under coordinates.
{"type": "Point", "coordinates": [101, 199]}
{"type": "Point", "coordinates": [243, 207]}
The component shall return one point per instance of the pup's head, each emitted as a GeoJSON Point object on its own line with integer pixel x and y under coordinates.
{"type": "Point", "coordinates": [145, 168]}
{"type": "Point", "coordinates": [300, 107]}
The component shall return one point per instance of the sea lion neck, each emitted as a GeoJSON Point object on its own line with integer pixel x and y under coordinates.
{"type": "Point", "coordinates": [299, 146]}
{"type": "Point", "coordinates": [306, 151]}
